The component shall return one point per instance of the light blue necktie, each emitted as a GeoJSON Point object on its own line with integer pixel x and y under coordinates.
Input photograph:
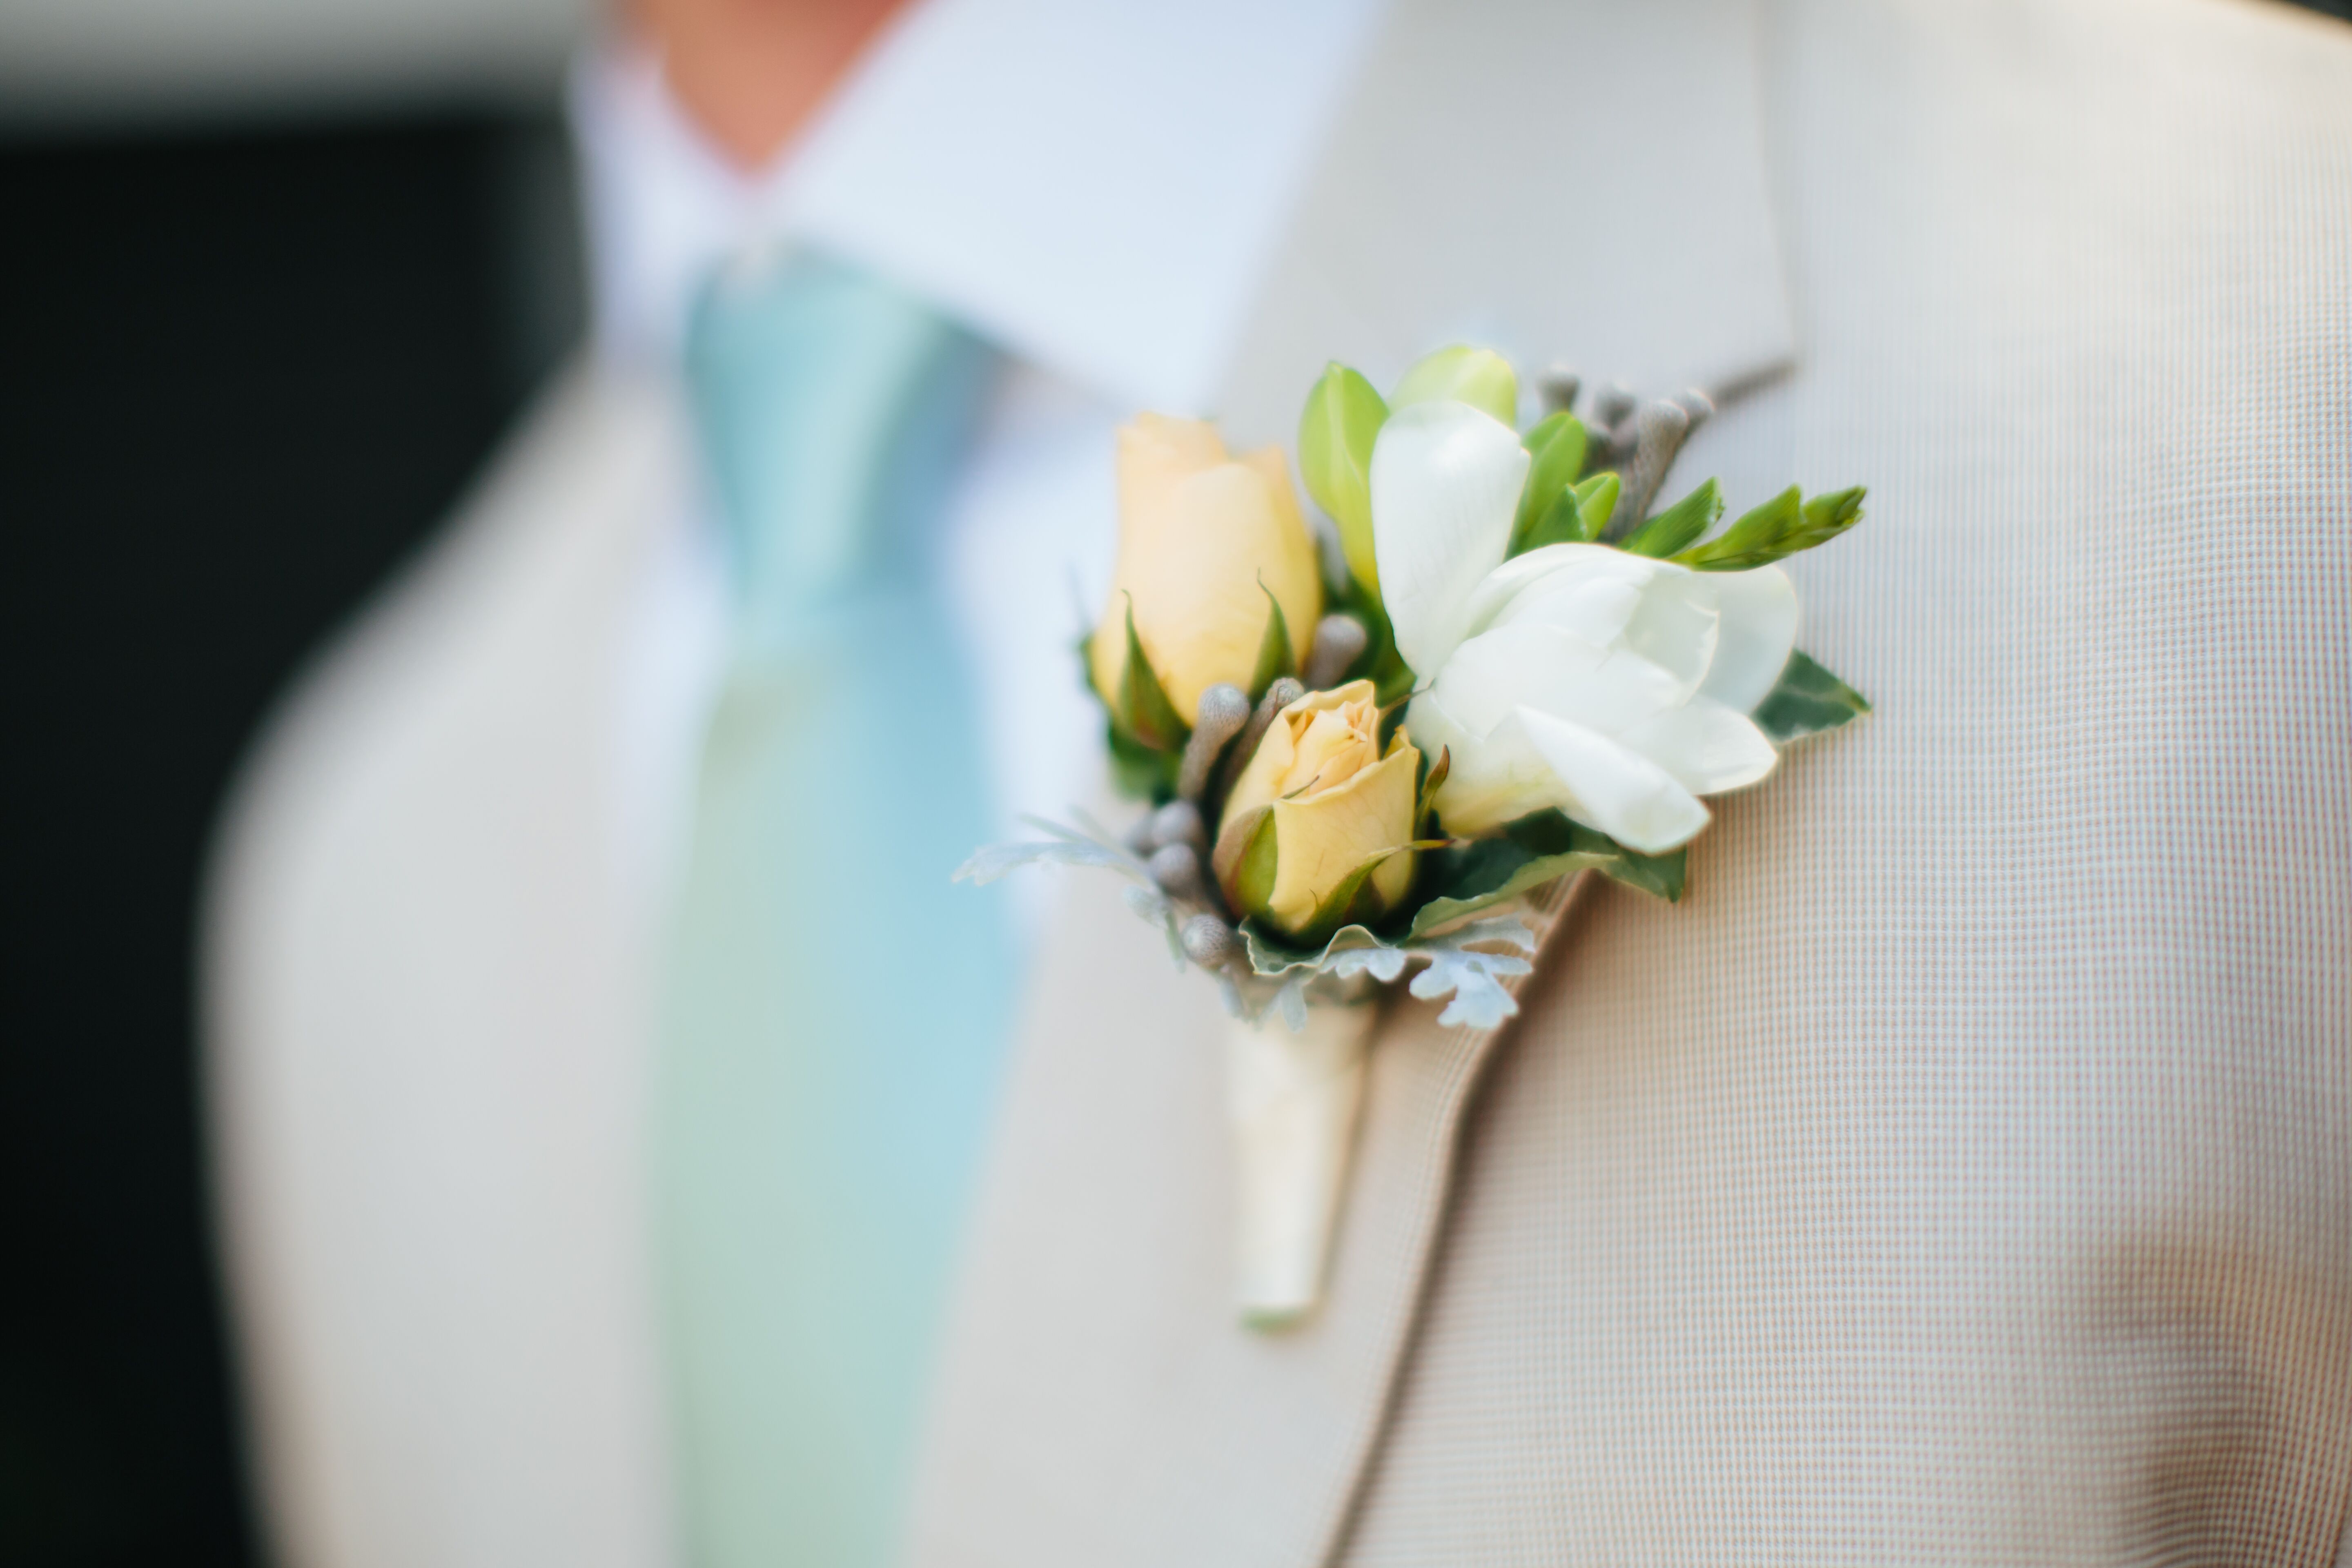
{"type": "Point", "coordinates": [836, 1010]}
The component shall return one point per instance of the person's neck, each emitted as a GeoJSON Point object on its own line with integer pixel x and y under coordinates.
{"type": "Point", "coordinates": [752, 73]}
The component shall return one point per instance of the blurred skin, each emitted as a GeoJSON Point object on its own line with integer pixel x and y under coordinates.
{"type": "Point", "coordinates": [752, 72]}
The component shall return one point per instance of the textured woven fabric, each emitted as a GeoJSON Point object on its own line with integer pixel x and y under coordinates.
{"type": "Point", "coordinates": [1963, 1173]}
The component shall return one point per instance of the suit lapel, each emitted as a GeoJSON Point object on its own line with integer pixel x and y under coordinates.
{"type": "Point", "coordinates": [1579, 183]}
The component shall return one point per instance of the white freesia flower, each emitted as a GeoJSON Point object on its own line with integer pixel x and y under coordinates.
{"type": "Point", "coordinates": [1612, 686]}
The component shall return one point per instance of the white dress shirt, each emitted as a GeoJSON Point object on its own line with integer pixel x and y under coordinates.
{"type": "Point", "coordinates": [1092, 188]}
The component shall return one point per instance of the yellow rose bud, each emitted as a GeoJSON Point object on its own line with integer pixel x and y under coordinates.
{"type": "Point", "coordinates": [1199, 531]}
{"type": "Point", "coordinates": [1315, 832]}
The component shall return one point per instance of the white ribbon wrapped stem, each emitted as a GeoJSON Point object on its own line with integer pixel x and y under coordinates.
{"type": "Point", "coordinates": [1294, 1099]}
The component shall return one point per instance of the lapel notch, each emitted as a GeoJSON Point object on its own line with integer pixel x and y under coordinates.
{"type": "Point", "coordinates": [1580, 180]}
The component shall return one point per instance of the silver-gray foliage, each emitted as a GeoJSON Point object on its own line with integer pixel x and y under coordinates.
{"type": "Point", "coordinates": [1068, 846]}
{"type": "Point", "coordinates": [1460, 963]}
{"type": "Point", "coordinates": [1258, 974]}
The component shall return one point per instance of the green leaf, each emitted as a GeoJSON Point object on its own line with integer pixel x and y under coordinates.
{"type": "Point", "coordinates": [1392, 678]}
{"type": "Point", "coordinates": [1556, 448]}
{"type": "Point", "coordinates": [1380, 663]}
{"type": "Point", "coordinates": [1479, 377]}
{"type": "Point", "coordinates": [1780, 528]}
{"type": "Point", "coordinates": [1579, 514]}
{"type": "Point", "coordinates": [1596, 499]}
{"type": "Point", "coordinates": [1660, 875]}
{"type": "Point", "coordinates": [1676, 526]}
{"type": "Point", "coordinates": [1534, 850]}
{"type": "Point", "coordinates": [1143, 707]}
{"type": "Point", "coordinates": [1342, 419]}
{"type": "Point", "coordinates": [1807, 700]}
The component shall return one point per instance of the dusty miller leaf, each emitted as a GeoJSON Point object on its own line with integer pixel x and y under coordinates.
{"type": "Point", "coordinates": [1508, 930]}
{"type": "Point", "coordinates": [1086, 844]}
{"type": "Point", "coordinates": [995, 860]}
{"type": "Point", "coordinates": [1456, 966]}
{"type": "Point", "coordinates": [1474, 980]}
{"type": "Point", "coordinates": [1153, 906]}
{"type": "Point", "coordinates": [1292, 1000]}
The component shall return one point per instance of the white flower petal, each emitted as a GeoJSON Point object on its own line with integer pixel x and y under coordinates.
{"type": "Point", "coordinates": [1527, 664]}
{"type": "Point", "coordinates": [1706, 745]}
{"type": "Point", "coordinates": [1493, 779]}
{"type": "Point", "coordinates": [1524, 664]}
{"type": "Point", "coordinates": [1433, 728]}
{"type": "Point", "coordinates": [1758, 618]}
{"type": "Point", "coordinates": [1445, 484]}
{"type": "Point", "coordinates": [1676, 626]}
{"type": "Point", "coordinates": [1595, 608]}
{"type": "Point", "coordinates": [1612, 788]}
{"type": "Point", "coordinates": [1526, 586]}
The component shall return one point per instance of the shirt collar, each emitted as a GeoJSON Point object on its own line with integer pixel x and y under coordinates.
{"type": "Point", "coordinates": [1096, 188]}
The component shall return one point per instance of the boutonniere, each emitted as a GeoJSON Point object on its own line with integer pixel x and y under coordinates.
{"type": "Point", "coordinates": [1364, 749]}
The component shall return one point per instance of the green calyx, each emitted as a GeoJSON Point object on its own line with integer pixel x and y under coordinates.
{"type": "Point", "coordinates": [1275, 657]}
{"type": "Point", "coordinates": [1355, 901]}
{"type": "Point", "coordinates": [1245, 860]}
{"type": "Point", "coordinates": [1142, 709]}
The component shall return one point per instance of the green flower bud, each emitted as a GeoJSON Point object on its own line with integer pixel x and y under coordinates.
{"type": "Point", "coordinates": [1335, 458]}
{"type": "Point", "coordinates": [1479, 377]}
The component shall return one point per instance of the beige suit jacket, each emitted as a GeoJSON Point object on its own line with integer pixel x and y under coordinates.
{"type": "Point", "coordinates": [1961, 1174]}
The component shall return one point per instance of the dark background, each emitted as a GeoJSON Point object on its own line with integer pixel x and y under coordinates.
{"type": "Point", "coordinates": [242, 375]}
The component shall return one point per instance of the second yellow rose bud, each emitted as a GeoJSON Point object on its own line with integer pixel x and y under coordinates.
{"type": "Point", "coordinates": [1317, 829]}
{"type": "Point", "coordinates": [1204, 539]}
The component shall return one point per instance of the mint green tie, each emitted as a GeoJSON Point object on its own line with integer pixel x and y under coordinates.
{"type": "Point", "coordinates": [834, 1011]}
